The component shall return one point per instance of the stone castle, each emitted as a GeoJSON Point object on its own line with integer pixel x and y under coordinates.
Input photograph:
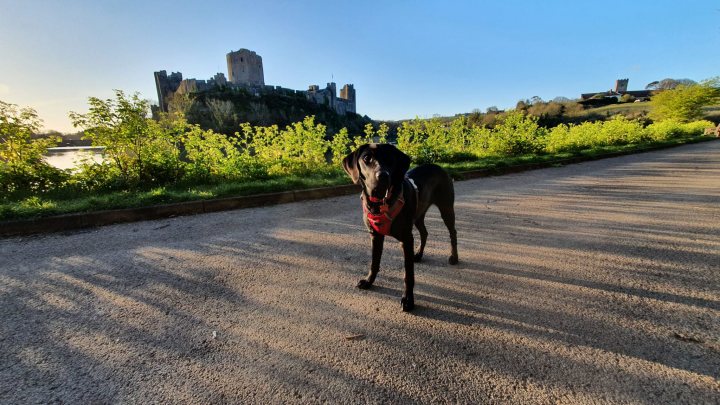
{"type": "Point", "coordinates": [621, 88]}
{"type": "Point", "coordinates": [245, 71]}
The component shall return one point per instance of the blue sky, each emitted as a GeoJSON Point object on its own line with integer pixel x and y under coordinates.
{"type": "Point", "coordinates": [406, 58]}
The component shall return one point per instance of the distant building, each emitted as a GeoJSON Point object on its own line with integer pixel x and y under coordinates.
{"type": "Point", "coordinates": [245, 71]}
{"type": "Point", "coordinates": [342, 105]}
{"type": "Point", "coordinates": [621, 86]}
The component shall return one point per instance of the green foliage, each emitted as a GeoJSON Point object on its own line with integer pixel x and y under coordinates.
{"type": "Point", "coordinates": [211, 156]}
{"type": "Point", "coordinates": [617, 131]}
{"type": "Point", "coordinates": [147, 158]}
{"type": "Point", "coordinates": [412, 139]}
{"type": "Point", "coordinates": [298, 149]}
{"type": "Point", "coordinates": [517, 133]}
{"type": "Point", "coordinates": [340, 146]}
{"type": "Point", "coordinates": [22, 166]}
{"type": "Point", "coordinates": [627, 98]}
{"type": "Point", "coordinates": [141, 149]}
{"type": "Point", "coordinates": [684, 102]}
{"type": "Point", "coordinates": [668, 129]}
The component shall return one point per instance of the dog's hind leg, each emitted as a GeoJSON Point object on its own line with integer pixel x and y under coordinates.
{"type": "Point", "coordinates": [377, 248]}
{"type": "Point", "coordinates": [420, 225]}
{"type": "Point", "coordinates": [447, 212]}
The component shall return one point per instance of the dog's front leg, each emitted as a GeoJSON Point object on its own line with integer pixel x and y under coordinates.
{"type": "Point", "coordinates": [408, 299]}
{"type": "Point", "coordinates": [377, 248]}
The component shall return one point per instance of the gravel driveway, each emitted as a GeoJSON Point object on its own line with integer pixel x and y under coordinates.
{"type": "Point", "coordinates": [591, 283]}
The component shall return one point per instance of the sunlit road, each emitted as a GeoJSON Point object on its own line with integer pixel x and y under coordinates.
{"type": "Point", "coordinates": [590, 283]}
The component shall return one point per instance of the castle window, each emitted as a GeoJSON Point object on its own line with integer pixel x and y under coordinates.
{"type": "Point", "coordinates": [241, 59]}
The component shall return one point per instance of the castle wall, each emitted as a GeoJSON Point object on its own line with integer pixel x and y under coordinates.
{"type": "Point", "coordinates": [166, 86]}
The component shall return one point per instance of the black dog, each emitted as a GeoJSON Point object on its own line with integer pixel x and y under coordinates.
{"type": "Point", "coordinates": [394, 199]}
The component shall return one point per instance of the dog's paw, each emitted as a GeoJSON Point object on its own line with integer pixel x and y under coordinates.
{"type": "Point", "coordinates": [453, 260]}
{"type": "Point", "coordinates": [407, 304]}
{"type": "Point", "coordinates": [418, 257]}
{"type": "Point", "coordinates": [364, 284]}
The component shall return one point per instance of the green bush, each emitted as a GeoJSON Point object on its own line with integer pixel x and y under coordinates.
{"type": "Point", "coordinates": [412, 139]}
{"type": "Point", "coordinates": [616, 131]}
{"type": "Point", "coordinates": [696, 128]}
{"type": "Point", "coordinates": [517, 133]}
{"type": "Point", "coordinates": [23, 168]}
{"type": "Point", "coordinates": [298, 149]}
{"type": "Point", "coordinates": [672, 128]}
{"type": "Point", "coordinates": [340, 146]}
{"type": "Point", "coordinates": [210, 156]}
{"type": "Point", "coordinates": [619, 131]}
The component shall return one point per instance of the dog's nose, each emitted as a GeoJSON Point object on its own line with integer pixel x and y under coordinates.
{"type": "Point", "coordinates": [383, 175]}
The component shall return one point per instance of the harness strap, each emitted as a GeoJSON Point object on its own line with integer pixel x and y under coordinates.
{"type": "Point", "coordinates": [417, 193]}
{"type": "Point", "coordinates": [381, 222]}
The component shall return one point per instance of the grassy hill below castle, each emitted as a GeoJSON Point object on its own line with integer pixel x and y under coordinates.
{"type": "Point", "coordinates": [223, 110]}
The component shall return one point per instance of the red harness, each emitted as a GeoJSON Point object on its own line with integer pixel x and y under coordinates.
{"type": "Point", "coordinates": [382, 221]}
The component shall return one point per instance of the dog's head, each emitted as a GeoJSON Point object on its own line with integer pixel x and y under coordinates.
{"type": "Point", "coordinates": [378, 166]}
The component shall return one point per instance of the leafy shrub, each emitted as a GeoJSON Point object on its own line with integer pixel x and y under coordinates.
{"type": "Point", "coordinates": [22, 164]}
{"type": "Point", "coordinates": [619, 131]}
{"type": "Point", "coordinates": [627, 98]}
{"type": "Point", "coordinates": [210, 155]}
{"type": "Point", "coordinates": [696, 128]}
{"type": "Point", "coordinates": [478, 142]}
{"type": "Point", "coordinates": [672, 128]}
{"type": "Point", "coordinates": [616, 131]}
{"type": "Point", "coordinates": [340, 146]}
{"type": "Point", "coordinates": [298, 149]}
{"type": "Point", "coordinates": [90, 176]}
{"type": "Point", "coordinates": [516, 134]}
{"type": "Point", "coordinates": [412, 139]}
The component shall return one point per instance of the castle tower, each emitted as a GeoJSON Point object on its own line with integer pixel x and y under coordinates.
{"type": "Point", "coordinates": [245, 67]}
{"type": "Point", "coordinates": [331, 98]}
{"type": "Point", "coordinates": [621, 86]}
{"type": "Point", "coordinates": [348, 93]}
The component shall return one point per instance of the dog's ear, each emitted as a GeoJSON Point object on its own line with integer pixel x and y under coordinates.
{"type": "Point", "coordinates": [402, 163]}
{"type": "Point", "coordinates": [350, 164]}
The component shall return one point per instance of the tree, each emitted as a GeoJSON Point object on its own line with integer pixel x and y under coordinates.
{"type": "Point", "coordinates": [668, 84]}
{"type": "Point", "coordinates": [133, 142]}
{"type": "Point", "coordinates": [22, 163]}
{"type": "Point", "coordinates": [685, 102]}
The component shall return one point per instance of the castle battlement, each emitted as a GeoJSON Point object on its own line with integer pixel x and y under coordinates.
{"type": "Point", "coordinates": [245, 71]}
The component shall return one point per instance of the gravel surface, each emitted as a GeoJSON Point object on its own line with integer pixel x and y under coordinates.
{"type": "Point", "coordinates": [590, 283]}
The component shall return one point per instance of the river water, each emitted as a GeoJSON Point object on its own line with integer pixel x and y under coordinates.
{"type": "Point", "coordinates": [69, 157]}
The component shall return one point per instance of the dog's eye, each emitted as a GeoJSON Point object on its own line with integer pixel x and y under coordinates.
{"type": "Point", "coordinates": [367, 159]}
